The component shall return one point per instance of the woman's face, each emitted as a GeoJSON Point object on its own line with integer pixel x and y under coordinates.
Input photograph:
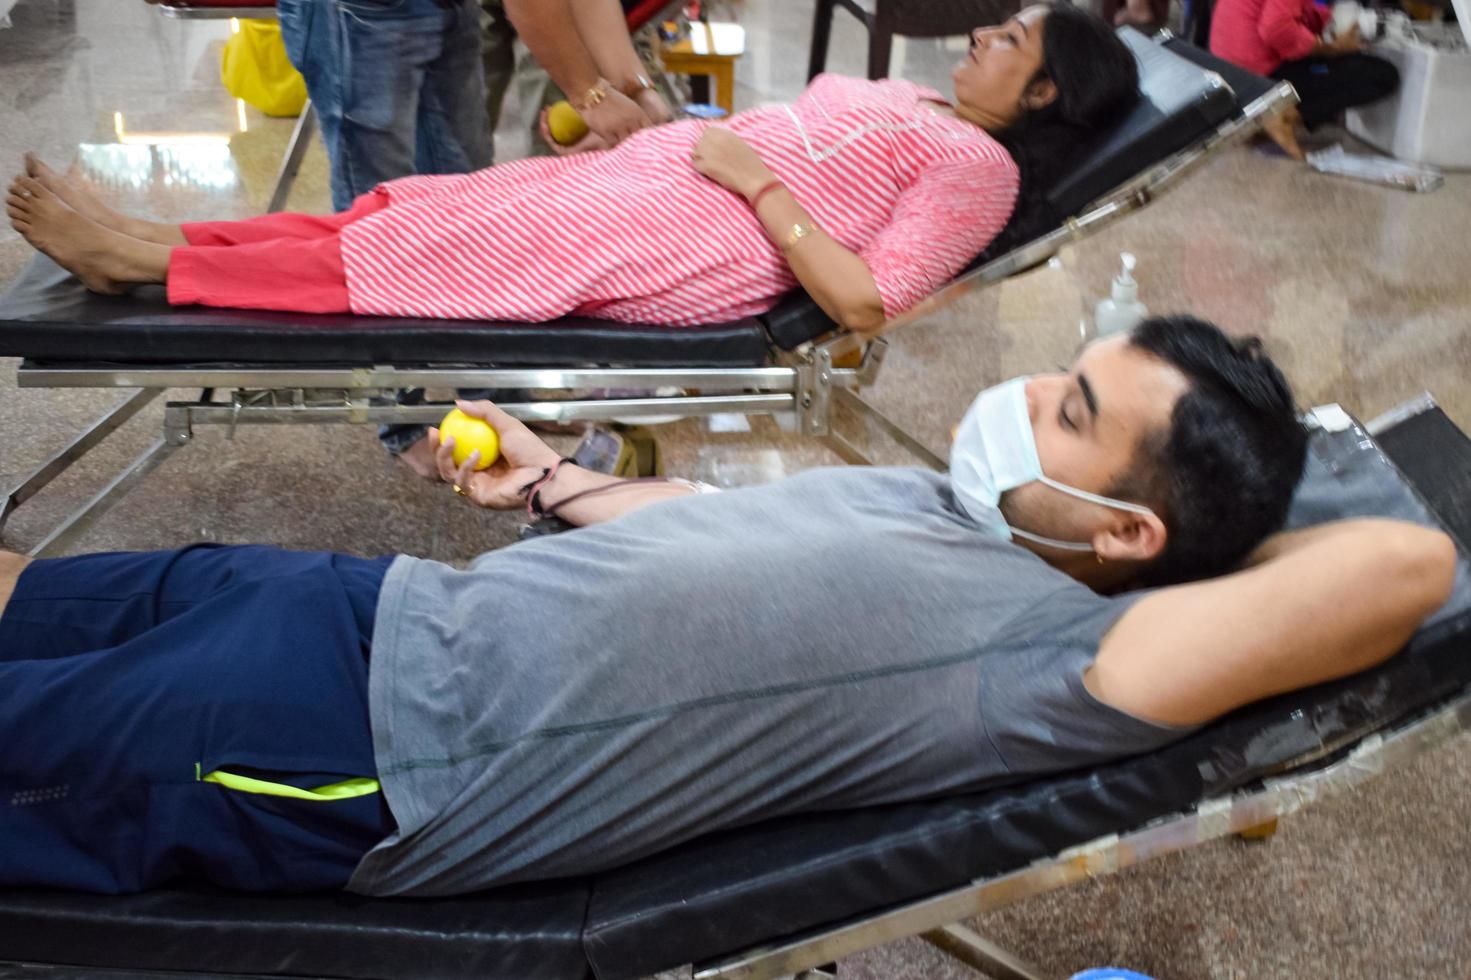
{"type": "Point", "coordinates": [994, 83]}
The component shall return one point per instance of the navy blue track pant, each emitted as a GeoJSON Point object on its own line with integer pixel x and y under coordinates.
{"type": "Point", "coordinates": [126, 677]}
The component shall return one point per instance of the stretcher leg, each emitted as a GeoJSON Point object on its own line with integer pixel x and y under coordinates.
{"type": "Point", "coordinates": [1262, 831]}
{"type": "Point", "coordinates": [975, 950]}
{"type": "Point", "coordinates": [301, 138]}
{"type": "Point", "coordinates": [75, 450]}
{"type": "Point", "coordinates": [75, 525]}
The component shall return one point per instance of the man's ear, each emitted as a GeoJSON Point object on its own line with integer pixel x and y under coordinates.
{"type": "Point", "coordinates": [1131, 537]}
{"type": "Point", "coordinates": [1040, 94]}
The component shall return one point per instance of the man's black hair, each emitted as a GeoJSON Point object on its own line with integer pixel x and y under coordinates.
{"type": "Point", "coordinates": [1223, 473]}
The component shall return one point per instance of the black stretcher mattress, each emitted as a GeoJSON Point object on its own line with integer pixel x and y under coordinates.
{"type": "Point", "coordinates": [729, 891]}
{"type": "Point", "coordinates": [48, 317]}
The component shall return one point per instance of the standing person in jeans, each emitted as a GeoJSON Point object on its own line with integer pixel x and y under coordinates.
{"type": "Point", "coordinates": [400, 88]}
{"type": "Point", "coordinates": [397, 86]}
{"type": "Point", "coordinates": [1283, 39]}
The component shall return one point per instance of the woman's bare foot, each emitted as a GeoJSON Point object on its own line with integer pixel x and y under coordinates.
{"type": "Point", "coordinates": [105, 260]}
{"type": "Point", "coordinates": [87, 204]}
{"type": "Point", "coordinates": [1282, 130]}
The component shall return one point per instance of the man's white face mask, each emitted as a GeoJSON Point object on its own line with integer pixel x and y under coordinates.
{"type": "Point", "coordinates": [995, 451]}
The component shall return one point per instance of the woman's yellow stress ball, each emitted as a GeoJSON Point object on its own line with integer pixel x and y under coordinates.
{"type": "Point", "coordinates": [469, 434]}
{"type": "Point", "coordinates": [566, 125]}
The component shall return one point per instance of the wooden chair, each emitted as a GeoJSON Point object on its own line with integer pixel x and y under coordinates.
{"type": "Point", "coordinates": [908, 18]}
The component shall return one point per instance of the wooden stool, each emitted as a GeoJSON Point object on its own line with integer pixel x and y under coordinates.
{"type": "Point", "coordinates": [681, 59]}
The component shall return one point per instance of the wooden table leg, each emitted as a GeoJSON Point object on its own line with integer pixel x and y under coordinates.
{"type": "Point", "coordinates": [725, 84]}
{"type": "Point", "coordinates": [1261, 831]}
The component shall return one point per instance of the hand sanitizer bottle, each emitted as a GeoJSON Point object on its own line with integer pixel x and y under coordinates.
{"type": "Point", "coordinates": [1121, 311]}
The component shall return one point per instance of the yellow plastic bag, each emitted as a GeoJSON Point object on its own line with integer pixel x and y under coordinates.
{"type": "Point", "coordinates": [255, 68]}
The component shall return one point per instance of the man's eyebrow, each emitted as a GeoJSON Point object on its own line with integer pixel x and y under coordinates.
{"type": "Point", "coordinates": [1088, 396]}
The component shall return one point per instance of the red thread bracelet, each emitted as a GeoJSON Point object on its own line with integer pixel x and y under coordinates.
{"type": "Point", "coordinates": [766, 188]}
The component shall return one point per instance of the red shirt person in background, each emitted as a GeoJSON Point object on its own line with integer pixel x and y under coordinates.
{"type": "Point", "coordinates": [1283, 39]}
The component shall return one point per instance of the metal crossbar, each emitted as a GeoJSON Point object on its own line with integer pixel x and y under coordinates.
{"type": "Point", "coordinates": [255, 395]}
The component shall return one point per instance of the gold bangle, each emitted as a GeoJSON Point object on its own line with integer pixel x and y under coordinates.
{"type": "Point", "coordinates": [797, 233]}
{"type": "Point", "coordinates": [593, 97]}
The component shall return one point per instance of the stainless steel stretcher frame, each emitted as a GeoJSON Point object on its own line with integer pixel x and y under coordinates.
{"type": "Point", "coordinates": [939, 920]}
{"type": "Point", "coordinates": [802, 373]}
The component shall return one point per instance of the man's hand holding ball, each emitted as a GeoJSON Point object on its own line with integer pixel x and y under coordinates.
{"type": "Point", "coordinates": [488, 456]}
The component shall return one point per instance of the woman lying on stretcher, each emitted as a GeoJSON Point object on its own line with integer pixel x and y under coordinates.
{"type": "Point", "coordinates": [870, 195]}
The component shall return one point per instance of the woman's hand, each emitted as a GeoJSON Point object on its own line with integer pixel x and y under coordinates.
{"type": "Point", "coordinates": [730, 161]}
{"type": "Point", "coordinates": [523, 457]}
{"type": "Point", "coordinates": [654, 106]}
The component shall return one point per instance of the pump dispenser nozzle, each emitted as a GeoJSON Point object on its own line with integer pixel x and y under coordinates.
{"type": "Point", "coordinates": [1122, 310]}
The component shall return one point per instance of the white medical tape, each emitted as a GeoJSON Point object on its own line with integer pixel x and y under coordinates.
{"type": "Point", "coordinates": [1331, 418]}
{"type": "Point", "coordinates": [1213, 819]}
{"type": "Point", "coordinates": [1099, 856]}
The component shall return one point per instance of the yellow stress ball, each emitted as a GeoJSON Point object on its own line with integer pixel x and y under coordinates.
{"type": "Point", "coordinates": [566, 125]}
{"type": "Point", "coordinates": [469, 434]}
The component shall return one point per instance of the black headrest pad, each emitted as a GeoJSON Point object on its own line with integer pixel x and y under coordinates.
{"type": "Point", "coordinates": [1180, 101]}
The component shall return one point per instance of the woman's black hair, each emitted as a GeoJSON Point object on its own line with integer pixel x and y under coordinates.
{"type": "Point", "coordinates": [1097, 82]}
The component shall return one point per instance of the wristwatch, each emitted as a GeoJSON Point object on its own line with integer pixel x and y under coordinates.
{"type": "Point", "coordinates": [640, 83]}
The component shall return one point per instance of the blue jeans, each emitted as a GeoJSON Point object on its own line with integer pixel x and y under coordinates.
{"type": "Point", "coordinates": [398, 86]}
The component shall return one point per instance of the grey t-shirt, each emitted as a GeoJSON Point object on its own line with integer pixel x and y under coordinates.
{"type": "Point", "coordinates": [842, 638]}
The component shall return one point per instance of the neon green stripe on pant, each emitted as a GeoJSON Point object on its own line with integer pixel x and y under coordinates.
{"type": "Point", "coordinates": [345, 790]}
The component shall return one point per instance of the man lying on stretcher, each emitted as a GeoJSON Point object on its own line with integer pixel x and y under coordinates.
{"type": "Point", "coordinates": [870, 195]}
{"type": "Point", "coordinates": [687, 662]}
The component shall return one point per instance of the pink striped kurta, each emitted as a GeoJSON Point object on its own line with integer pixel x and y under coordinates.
{"type": "Point", "coordinates": [636, 234]}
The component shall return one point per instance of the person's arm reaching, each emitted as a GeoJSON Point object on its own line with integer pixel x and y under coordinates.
{"type": "Point", "coordinates": [1348, 42]}
{"type": "Point", "coordinates": [604, 32]}
{"type": "Point", "coordinates": [546, 28]}
{"type": "Point", "coordinates": [1281, 28]}
{"type": "Point", "coordinates": [524, 463]}
{"type": "Point", "coordinates": [1312, 606]}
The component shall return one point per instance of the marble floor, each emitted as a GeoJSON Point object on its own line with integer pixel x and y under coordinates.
{"type": "Point", "coordinates": [1362, 293]}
